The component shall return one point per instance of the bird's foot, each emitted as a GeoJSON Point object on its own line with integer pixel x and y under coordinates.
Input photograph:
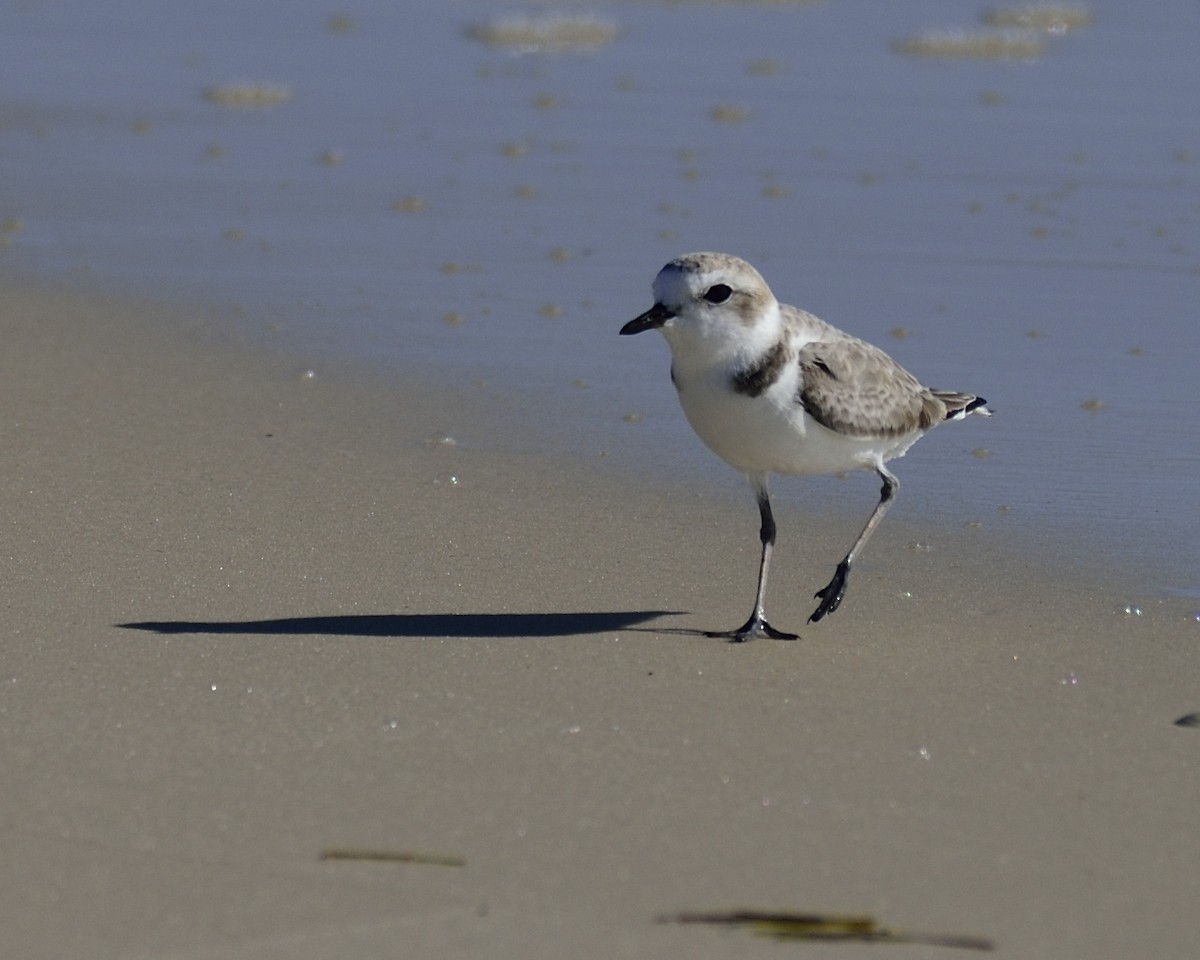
{"type": "Point", "coordinates": [752, 629]}
{"type": "Point", "coordinates": [832, 594]}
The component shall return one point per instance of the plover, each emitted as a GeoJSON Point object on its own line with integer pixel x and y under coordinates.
{"type": "Point", "coordinates": [770, 388]}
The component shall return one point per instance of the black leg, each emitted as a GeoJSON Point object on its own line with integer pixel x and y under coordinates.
{"type": "Point", "coordinates": [757, 625]}
{"type": "Point", "coordinates": [831, 594]}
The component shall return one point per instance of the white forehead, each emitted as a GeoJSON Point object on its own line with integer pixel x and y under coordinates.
{"type": "Point", "coordinates": [687, 277]}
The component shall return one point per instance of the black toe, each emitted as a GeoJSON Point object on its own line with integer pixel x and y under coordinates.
{"type": "Point", "coordinates": [831, 595]}
{"type": "Point", "coordinates": [752, 629]}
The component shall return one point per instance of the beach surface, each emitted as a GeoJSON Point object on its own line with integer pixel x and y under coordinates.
{"type": "Point", "coordinates": [256, 611]}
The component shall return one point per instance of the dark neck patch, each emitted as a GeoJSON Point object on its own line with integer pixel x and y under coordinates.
{"type": "Point", "coordinates": [765, 371]}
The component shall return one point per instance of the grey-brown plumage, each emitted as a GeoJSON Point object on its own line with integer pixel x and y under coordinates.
{"type": "Point", "coordinates": [856, 389]}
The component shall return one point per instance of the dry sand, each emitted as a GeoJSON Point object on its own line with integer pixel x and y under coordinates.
{"type": "Point", "coordinates": [341, 648]}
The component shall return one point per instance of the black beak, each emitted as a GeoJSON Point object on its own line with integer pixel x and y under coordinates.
{"type": "Point", "coordinates": [652, 319]}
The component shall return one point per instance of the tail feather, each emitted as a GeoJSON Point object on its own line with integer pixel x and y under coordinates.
{"type": "Point", "coordinates": [959, 405]}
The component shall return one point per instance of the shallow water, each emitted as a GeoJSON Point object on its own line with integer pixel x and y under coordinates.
{"type": "Point", "coordinates": [1024, 229]}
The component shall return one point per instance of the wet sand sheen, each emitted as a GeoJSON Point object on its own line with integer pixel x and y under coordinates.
{"type": "Point", "coordinates": [1029, 225]}
{"type": "Point", "coordinates": [340, 649]}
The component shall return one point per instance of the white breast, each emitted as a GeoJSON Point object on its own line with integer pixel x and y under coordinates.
{"type": "Point", "coordinates": [771, 433]}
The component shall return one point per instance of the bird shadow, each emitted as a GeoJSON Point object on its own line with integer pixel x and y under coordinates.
{"type": "Point", "coordinates": [448, 625]}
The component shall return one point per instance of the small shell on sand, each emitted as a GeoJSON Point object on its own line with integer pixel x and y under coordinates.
{"type": "Point", "coordinates": [556, 33]}
{"type": "Point", "coordinates": [728, 113]}
{"type": "Point", "coordinates": [1007, 44]}
{"type": "Point", "coordinates": [1050, 17]}
{"type": "Point", "coordinates": [763, 67]}
{"type": "Point", "coordinates": [248, 95]}
{"type": "Point", "coordinates": [410, 204]}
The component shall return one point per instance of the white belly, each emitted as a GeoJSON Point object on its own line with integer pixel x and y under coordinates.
{"type": "Point", "coordinates": [763, 435]}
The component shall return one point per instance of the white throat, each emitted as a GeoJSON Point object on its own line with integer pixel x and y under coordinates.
{"type": "Point", "coordinates": [709, 338]}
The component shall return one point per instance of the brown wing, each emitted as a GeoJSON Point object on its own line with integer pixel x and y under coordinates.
{"type": "Point", "coordinates": [856, 389]}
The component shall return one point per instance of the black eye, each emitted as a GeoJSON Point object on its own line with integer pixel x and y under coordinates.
{"type": "Point", "coordinates": [718, 293]}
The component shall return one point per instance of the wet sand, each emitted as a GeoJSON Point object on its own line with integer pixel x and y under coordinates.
{"type": "Point", "coordinates": [252, 615]}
